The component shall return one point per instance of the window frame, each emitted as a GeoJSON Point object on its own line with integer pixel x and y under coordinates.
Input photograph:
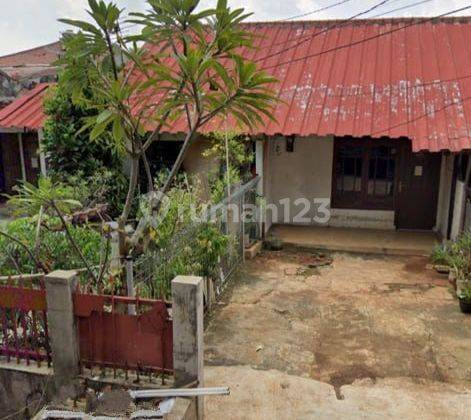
{"type": "Point", "coordinates": [361, 200]}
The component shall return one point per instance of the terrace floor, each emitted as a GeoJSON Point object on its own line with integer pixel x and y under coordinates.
{"type": "Point", "coordinates": [366, 337]}
{"type": "Point", "coordinates": [375, 241]}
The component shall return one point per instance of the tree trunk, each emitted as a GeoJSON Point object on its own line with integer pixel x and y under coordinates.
{"type": "Point", "coordinates": [150, 180]}
{"type": "Point", "coordinates": [178, 163]}
{"type": "Point", "coordinates": [72, 241]}
{"type": "Point", "coordinates": [133, 178]}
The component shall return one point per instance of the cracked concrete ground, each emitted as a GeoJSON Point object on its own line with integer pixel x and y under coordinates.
{"type": "Point", "coordinates": [367, 337]}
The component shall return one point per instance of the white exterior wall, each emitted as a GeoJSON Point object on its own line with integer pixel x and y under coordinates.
{"type": "Point", "coordinates": [306, 173]}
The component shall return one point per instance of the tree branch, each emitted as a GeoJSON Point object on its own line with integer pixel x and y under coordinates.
{"type": "Point", "coordinates": [38, 263]}
{"type": "Point", "coordinates": [72, 240]}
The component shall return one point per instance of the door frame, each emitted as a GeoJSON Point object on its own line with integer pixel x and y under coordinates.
{"type": "Point", "coordinates": [404, 160]}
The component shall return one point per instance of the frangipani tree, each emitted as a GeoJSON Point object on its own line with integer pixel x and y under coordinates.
{"type": "Point", "coordinates": [185, 66]}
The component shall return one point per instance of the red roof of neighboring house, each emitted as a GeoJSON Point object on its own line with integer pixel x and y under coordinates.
{"type": "Point", "coordinates": [26, 112]}
{"type": "Point", "coordinates": [35, 62]}
{"type": "Point", "coordinates": [408, 77]}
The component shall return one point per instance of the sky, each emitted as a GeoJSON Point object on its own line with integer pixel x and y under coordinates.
{"type": "Point", "coordinates": [27, 24]}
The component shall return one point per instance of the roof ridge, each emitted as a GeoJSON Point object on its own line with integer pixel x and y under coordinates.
{"type": "Point", "coordinates": [29, 50]}
{"type": "Point", "coordinates": [398, 19]}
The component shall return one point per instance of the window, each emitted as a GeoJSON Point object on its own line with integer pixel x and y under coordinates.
{"type": "Point", "coordinates": [381, 171]}
{"type": "Point", "coordinates": [350, 168]}
{"type": "Point", "coordinates": [364, 173]}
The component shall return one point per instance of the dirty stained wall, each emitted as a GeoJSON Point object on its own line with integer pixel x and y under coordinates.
{"type": "Point", "coordinates": [22, 393]}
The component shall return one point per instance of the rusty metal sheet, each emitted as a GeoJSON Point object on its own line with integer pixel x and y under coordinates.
{"type": "Point", "coordinates": [407, 77]}
{"type": "Point", "coordinates": [110, 338]}
{"type": "Point", "coordinates": [22, 299]}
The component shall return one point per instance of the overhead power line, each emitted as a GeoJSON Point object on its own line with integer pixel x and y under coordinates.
{"type": "Point", "coordinates": [457, 102]}
{"type": "Point", "coordinates": [351, 44]}
{"type": "Point", "coordinates": [408, 6]}
{"type": "Point", "coordinates": [336, 24]}
{"type": "Point", "coordinates": [321, 9]}
{"type": "Point", "coordinates": [126, 26]}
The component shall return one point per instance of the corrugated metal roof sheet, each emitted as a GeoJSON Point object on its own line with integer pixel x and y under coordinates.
{"type": "Point", "coordinates": [395, 77]}
{"type": "Point", "coordinates": [25, 112]}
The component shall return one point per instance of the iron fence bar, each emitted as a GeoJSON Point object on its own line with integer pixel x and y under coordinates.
{"type": "Point", "coordinates": [5, 333]}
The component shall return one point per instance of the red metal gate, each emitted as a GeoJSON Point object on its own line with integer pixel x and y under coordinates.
{"type": "Point", "coordinates": [109, 337]}
{"type": "Point", "coordinates": [23, 320]}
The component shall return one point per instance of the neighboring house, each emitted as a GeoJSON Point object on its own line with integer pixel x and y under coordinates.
{"type": "Point", "coordinates": [8, 89]}
{"type": "Point", "coordinates": [27, 74]}
{"type": "Point", "coordinates": [21, 125]}
{"type": "Point", "coordinates": [33, 66]}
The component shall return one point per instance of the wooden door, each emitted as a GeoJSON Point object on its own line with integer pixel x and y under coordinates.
{"type": "Point", "coordinates": [417, 189]}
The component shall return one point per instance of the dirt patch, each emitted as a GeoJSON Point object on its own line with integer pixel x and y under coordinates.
{"type": "Point", "coordinates": [358, 317]}
{"type": "Point", "coordinates": [348, 376]}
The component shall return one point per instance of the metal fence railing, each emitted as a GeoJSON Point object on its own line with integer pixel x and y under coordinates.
{"type": "Point", "coordinates": [237, 218]}
{"type": "Point", "coordinates": [125, 334]}
{"type": "Point", "coordinates": [23, 320]}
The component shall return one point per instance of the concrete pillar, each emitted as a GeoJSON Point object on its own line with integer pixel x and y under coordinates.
{"type": "Point", "coordinates": [459, 210]}
{"type": "Point", "coordinates": [187, 314]}
{"type": "Point", "coordinates": [260, 170]}
{"type": "Point", "coordinates": [62, 330]}
{"type": "Point", "coordinates": [42, 156]}
{"type": "Point", "coordinates": [22, 157]}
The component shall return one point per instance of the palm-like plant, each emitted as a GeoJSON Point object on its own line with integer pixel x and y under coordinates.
{"type": "Point", "coordinates": [185, 65]}
{"type": "Point", "coordinates": [47, 198]}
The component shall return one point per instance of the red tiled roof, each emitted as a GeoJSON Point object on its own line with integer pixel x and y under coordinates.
{"type": "Point", "coordinates": [395, 77]}
{"type": "Point", "coordinates": [35, 61]}
{"type": "Point", "coordinates": [25, 112]}
{"type": "Point", "coordinates": [45, 54]}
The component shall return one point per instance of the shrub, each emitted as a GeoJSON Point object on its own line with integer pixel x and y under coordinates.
{"type": "Point", "coordinates": [94, 168]}
{"type": "Point", "coordinates": [54, 248]}
{"type": "Point", "coordinates": [233, 148]}
{"type": "Point", "coordinates": [103, 186]}
{"type": "Point", "coordinates": [68, 150]}
{"type": "Point", "coordinates": [440, 254]}
{"type": "Point", "coordinates": [179, 245]}
{"type": "Point", "coordinates": [457, 255]}
{"type": "Point", "coordinates": [465, 294]}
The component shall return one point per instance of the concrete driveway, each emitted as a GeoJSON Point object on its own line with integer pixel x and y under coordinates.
{"type": "Point", "coordinates": [366, 337]}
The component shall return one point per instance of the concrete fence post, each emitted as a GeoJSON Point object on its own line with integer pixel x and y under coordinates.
{"type": "Point", "coordinates": [187, 314]}
{"type": "Point", "coordinates": [60, 286]}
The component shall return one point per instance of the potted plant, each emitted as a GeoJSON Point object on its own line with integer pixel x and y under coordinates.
{"type": "Point", "coordinates": [459, 259]}
{"type": "Point", "coordinates": [465, 299]}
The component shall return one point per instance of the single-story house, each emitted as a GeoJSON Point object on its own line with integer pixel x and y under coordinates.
{"type": "Point", "coordinates": [374, 123]}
